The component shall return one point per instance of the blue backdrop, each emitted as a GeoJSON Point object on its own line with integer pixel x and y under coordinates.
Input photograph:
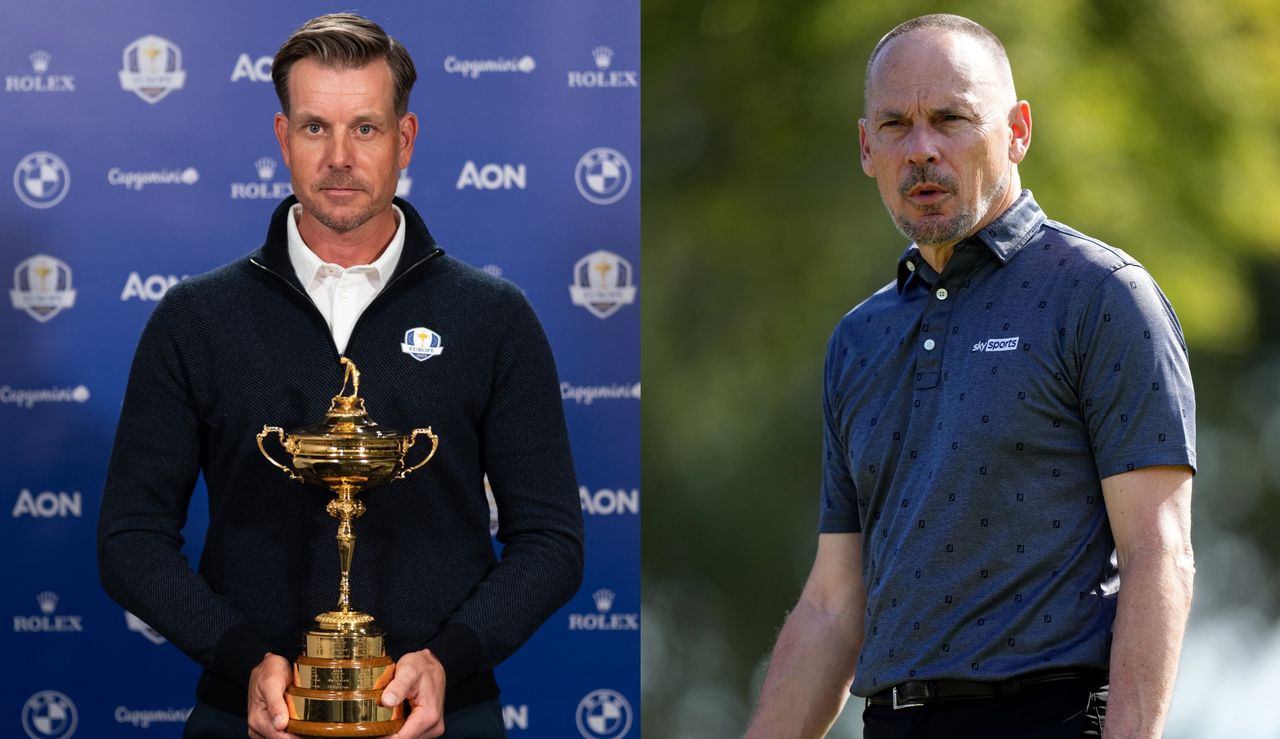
{"type": "Point", "coordinates": [139, 136]}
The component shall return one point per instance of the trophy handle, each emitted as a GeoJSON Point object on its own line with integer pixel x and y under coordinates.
{"type": "Point", "coordinates": [435, 444]}
{"type": "Point", "coordinates": [266, 431]}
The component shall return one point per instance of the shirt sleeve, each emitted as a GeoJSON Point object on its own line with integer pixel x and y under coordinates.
{"type": "Point", "coordinates": [1135, 389]}
{"type": "Point", "coordinates": [839, 514]}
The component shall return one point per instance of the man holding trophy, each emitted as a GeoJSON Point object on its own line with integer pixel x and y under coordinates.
{"type": "Point", "coordinates": [348, 275]}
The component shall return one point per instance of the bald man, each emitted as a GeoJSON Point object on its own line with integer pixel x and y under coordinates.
{"type": "Point", "coordinates": [1009, 436]}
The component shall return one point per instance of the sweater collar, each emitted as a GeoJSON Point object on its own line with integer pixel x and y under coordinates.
{"type": "Point", "coordinates": [274, 253]}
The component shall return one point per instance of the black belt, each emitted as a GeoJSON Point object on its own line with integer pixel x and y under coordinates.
{"type": "Point", "coordinates": [923, 692]}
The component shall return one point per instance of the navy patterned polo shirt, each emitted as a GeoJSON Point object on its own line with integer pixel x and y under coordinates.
{"type": "Point", "coordinates": [969, 419]}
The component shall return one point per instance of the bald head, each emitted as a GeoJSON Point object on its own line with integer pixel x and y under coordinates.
{"type": "Point", "coordinates": [974, 45]}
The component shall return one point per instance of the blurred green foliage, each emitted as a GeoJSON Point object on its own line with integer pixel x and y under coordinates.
{"type": "Point", "coordinates": [1156, 129]}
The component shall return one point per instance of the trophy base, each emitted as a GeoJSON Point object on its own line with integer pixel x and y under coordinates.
{"type": "Point", "coordinates": [338, 680]}
{"type": "Point", "coordinates": [366, 728]}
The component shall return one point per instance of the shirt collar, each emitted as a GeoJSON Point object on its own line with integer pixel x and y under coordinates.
{"type": "Point", "coordinates": [308, 266]}
{"type": "Point", "coordinates": [1004, 237]}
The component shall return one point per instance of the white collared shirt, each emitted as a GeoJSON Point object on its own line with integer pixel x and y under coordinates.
{"type": "Point", "coordinates": [340, 293]}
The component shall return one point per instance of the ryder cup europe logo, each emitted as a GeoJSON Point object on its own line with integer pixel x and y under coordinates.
{"type": "Point", "coordinates": [604, 714]}
{"type": "Point", "coordinates": [41, 179]}
{"type": "Point", "coordinates": [49, 715]}
{"type": "Point", "coordinates": [603, 282]}
{"type": "Point", "coordinates": [42, 287]}
{"type": "Point", "coordinates": [152, 68]}
{"type": "Point", "coordinates": [603, 176]}
{"type": "Point", "coordinates": [421, 343]}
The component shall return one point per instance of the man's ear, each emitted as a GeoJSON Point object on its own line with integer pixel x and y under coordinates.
{"type": "Point", "coordinates": [1020, 130]}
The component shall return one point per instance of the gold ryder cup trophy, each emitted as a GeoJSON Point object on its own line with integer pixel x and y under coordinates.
{"type": "Point", "coordinates": [338, 679]}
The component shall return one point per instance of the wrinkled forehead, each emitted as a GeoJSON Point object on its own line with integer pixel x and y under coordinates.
{"type": "Point", "coordinates": [936, 68]}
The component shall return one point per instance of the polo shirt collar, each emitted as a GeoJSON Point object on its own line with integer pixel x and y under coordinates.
{"type": "Point", "coordinates": [310, 268]}
{"type": "Point", "coordinates": [1004, 237]}
{"type": "Point", "coordinates": [274, 252]}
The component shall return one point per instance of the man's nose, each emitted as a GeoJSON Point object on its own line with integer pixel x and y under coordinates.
{"type": "Point", "coordinates": [922, 146]}
{"type": "Point", "coordinates": [340, 152]}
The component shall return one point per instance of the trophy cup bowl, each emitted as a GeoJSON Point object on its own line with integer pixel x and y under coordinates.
{"type": "Point", "coordinates": [339, 677]}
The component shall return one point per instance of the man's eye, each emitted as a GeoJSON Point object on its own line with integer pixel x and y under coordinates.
{"type": "Point", "coordinates": [365, 130]}
{"type": "Point", "coordinates": [313, 128]}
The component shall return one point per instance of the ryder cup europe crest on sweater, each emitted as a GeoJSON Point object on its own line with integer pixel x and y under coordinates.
{"type": "Point", "coordinates": [421, 343]}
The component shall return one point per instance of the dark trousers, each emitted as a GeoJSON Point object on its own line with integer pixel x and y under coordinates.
{"type": "Point", "coordinates": [481, 721]}
{"type": "Point", "coordinates": [1055, 710]}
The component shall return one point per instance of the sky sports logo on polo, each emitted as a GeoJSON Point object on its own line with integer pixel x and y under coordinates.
{"type": "Point", "coordinates": [474, 68]}
{"type": "Point", "coordinates": [1006, 344]}
{"type": "Point", "coordinates": [48, 621]}
{"type": "Point", "coordinates": [40, 82]}
{"type": "Point", "coordinates": [605, 618]}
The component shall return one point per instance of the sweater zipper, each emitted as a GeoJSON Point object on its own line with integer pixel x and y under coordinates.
{"type": "Point", "coordinates": [316, 311]}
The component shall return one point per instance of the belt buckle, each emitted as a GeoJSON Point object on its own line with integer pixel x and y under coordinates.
{"type": "Point", "coordinates": [897, 705]}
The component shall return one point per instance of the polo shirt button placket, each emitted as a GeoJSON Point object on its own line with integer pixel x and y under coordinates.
{"type": "Point", "coordinates": [936, 317]}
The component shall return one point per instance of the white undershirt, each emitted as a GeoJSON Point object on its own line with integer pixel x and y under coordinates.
{"type": "Point", "coordinates": [340, 293]}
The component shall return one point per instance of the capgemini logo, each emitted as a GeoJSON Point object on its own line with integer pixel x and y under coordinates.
{"type": "Point", "coordinates": [266, 167]}
{"type": "Point", "coordinates": [40, 61]}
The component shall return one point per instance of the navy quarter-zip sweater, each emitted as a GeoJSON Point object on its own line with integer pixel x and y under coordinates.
{"type": "Point", "coordinates": [244, 346]}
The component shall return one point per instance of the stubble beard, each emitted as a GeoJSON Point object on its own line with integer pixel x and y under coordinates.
{"type": "Point", "coordinates": [949, 230]}
{"type": "Point", "coordinates": [333, 222]}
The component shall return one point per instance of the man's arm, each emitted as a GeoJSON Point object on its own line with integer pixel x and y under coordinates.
{"type": "Point", "coordinates": [812, 664]}
{"type": "Point", "coordinates": [1150, 514]}
{"type": "Point", "coordinates": [525, 451]}
{"type": "Point", "coordinates": [154, 466]}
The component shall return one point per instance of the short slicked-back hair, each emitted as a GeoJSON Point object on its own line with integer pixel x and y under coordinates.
{"type": "Point", "coordinates": [947, 22]}
{"type": "Point", "coordinates": [344, 41]}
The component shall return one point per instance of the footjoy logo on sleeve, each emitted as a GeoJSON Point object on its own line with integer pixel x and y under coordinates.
{"type": "Point", "coordinates": [1007, 344]}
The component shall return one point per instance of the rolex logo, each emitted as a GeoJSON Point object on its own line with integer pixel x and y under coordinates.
{"type": "Point", "coordinates": [604, 599]}
{"type": "Point", "coordinates": [47, 622]}
{"type": "Point", "coordinates": [603, 56]}
{"type": "Point", "coordinates": [48, 601]}
{"type": "Point", "coordinates": [266, 167]}
{"type": "Point", "coordinates": [40, 61]}
{"type": "Point", "coordinates": [604, 619]}
{"type": "Point", "coordinates": [265, 188]}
